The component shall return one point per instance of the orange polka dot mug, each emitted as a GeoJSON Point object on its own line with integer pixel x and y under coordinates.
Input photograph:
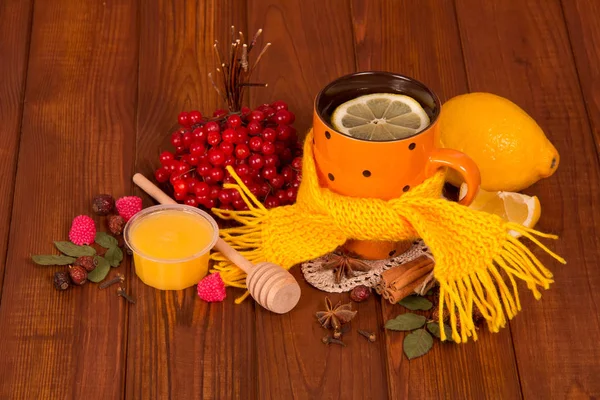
{"type": "Point", "coordinates": [381, 169]}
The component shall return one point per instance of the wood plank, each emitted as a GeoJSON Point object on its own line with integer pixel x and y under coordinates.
{"type": "Point", "coordinates": [293, 363]}
{"type": "Point", "coordinates": [15, 26]}
{"type": "Point", "coordinates": [77, 140]}
{"type": "Point", "coordinates": [387, 37]}
{"type": "Point", "coordinates": [520, 50]}
{"type": "Point", "coordinates": [180, 347]}
{"type": "Point", "coordinates": [582, 18]}
{"type": "Point", "coordinates": [310, 49]}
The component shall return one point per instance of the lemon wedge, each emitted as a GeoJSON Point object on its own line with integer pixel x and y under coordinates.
{"type": "Point", "coordinates": [510, 206]}
{"type": "Point", "coordinates": [380, 117]}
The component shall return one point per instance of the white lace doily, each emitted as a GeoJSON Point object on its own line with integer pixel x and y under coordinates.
{"type": "Point", "coordinates": [324, 279]}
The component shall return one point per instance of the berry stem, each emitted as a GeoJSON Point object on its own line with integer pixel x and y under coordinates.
{"type": "Point", "coordinates": [244, 56]}
{"type": "Point", "coordinates": [254, 39]}
{"type": "Point", "coordinates": [218, 51]}
{"type": "Point", "coordinates": [262, 52]}
{"type": "Point", "coordinates": [235, 69]}
{"type": "Point", "coordinates": [215, 86]}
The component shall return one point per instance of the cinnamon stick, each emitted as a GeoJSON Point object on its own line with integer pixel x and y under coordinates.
{"type": "Point", "coordinates": [404, 280]}
{"type": "Point", "coordinates": [395, 296]}
{"type": "Point", "coordinates": [392, 274]}
{"type": "Point", "coordinates": [412, 275]}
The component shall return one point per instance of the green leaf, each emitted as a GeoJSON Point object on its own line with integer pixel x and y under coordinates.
{"type": "Point", "coordinates": [114, 256]}
{"type": "Point", "coordinates": [416, 303]}
{"type": "Point", "coordinates": [74, 250]}
{"type": "Point", "coordinates": [434, 328]}
{"type": "Point", "coordinates": [101, 270]}
{"type": "Point", "coordinates": [53, 260]}
{"type": "Point", "coordinates": [406, 322]}
{"type": "Point", "coordinates": [429, 292]}
{"type": "Point", "coordinates": [105, 240]}
{"type": "Point", "coordinates": [417, 343]}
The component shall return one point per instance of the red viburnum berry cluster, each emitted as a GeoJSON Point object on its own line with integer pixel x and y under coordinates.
{"type": "Point", "coordinates": [261, 145]}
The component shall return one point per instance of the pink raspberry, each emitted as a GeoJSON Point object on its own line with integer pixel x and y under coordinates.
{"type": "Point", "coordinates": [128, 206]}
{"type": "Point", "coordinates": [83, 230]}
{"type": "Point", "coordinates": [212, 288]}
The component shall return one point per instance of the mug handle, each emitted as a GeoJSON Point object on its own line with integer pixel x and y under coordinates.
{"type": "Point", "coordinates": [460, 162]}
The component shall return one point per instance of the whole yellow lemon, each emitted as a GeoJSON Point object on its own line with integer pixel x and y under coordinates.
{"type": "Point", "coordinates": [509, 147]}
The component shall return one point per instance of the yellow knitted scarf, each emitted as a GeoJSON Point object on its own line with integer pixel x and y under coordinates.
{"type": "Point", "coordinates": [476, 257]}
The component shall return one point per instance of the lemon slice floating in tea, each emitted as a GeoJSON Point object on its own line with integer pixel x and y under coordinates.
{"type": "Point", "coordinates": [380, 117]}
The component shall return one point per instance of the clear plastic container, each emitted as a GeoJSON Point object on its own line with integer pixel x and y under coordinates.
{"type": "Point", "coordinates": [171, 245]}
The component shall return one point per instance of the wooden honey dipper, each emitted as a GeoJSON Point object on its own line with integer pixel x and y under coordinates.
{"type": "Point", "coordinates": [270, 285]}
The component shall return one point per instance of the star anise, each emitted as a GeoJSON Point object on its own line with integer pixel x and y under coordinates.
{"type": "Point", "coordinates": [335, 317]}
{"type": "Point", "coordinates": [343, 264]}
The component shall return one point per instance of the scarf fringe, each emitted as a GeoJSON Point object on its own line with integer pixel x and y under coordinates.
{"type": "Point", "coordinates": [247, 239]}
{"type": "Point", "coordinates": [488, 290]}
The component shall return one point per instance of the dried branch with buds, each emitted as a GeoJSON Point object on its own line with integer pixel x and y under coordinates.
{"type": "Point", "coordinates": [235, 69]}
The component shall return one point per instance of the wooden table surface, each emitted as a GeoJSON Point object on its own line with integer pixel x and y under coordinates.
{"type": "Point", "coordinates": [88, 91]}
